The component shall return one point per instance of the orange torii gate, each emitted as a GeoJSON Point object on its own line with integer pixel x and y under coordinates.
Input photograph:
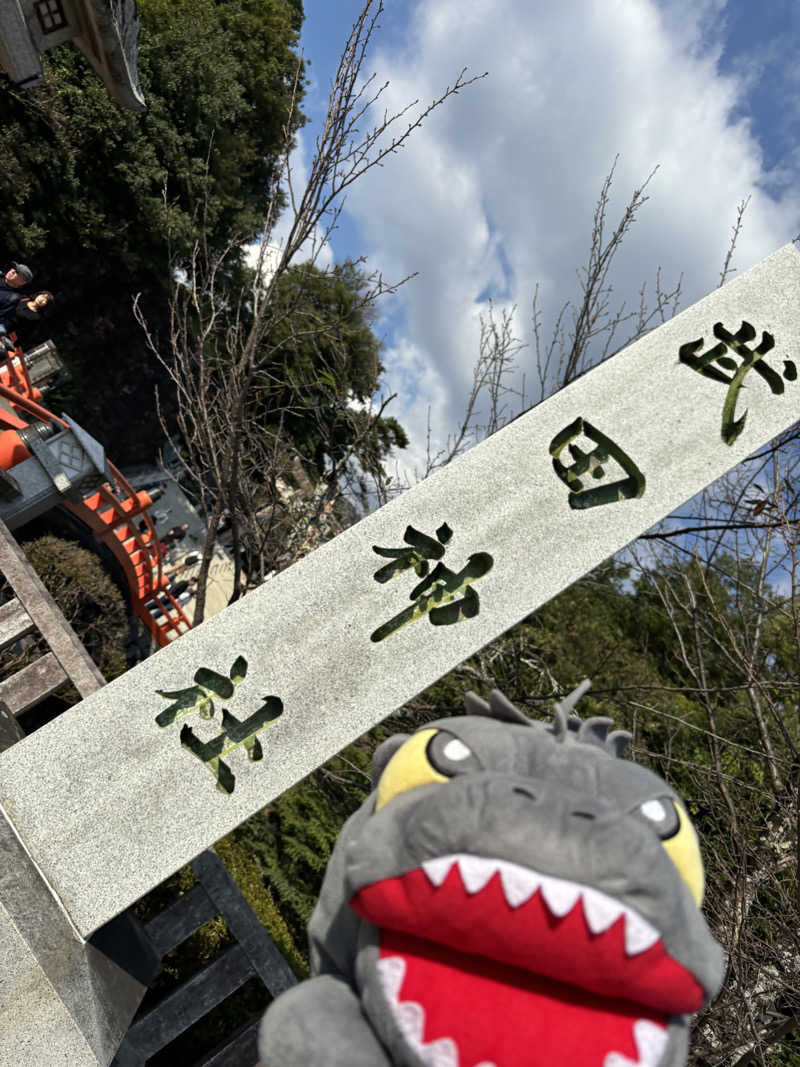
{"type": "Point", "coordinates": [109, 510]}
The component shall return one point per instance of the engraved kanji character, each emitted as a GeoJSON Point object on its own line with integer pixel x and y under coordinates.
{"type": "Point", "coordinates": [752, 359]}
{"type": "Point", "coordinates": [591, 463]}
{"type": "Point", "coordinates": [233, 734]}
{"type": "Point", "coordinates": [435, 596]}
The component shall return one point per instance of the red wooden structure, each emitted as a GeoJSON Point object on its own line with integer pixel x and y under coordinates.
{"type": "Point", "coordinates": [110, 512]}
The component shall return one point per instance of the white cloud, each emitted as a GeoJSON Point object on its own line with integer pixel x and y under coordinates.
{"type": "Point", "coordinates": [497, 191]}
{"type": "Point", "coordinates": [272, 254]}
{"type": "Point", "coordinates": [418, 384]}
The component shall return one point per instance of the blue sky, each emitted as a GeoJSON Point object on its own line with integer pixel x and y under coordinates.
{"type": "Point", "coordinates": [497, 191]}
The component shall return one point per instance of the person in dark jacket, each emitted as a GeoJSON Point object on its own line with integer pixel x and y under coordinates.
{"type": "Point", "coordinates": [16, 277]}
{"type": "Point", "coordinates": [9, 298]}
{"type": "Point", "coordinates": [37, 306]}
{"type": "Point", "coordinates": [11, 281]}
{"type": "Point", "coordinates": [176, 588]}
{"type": "Point", "coordinates": [177, 533]}
{"type": "Point", "coordinates": [15, 308]}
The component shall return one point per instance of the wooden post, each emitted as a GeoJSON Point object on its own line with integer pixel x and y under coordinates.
{"type": "Point", "coordinates": [46, 616]}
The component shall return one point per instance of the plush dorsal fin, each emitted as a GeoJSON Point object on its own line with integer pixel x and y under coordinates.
{"type": "Point", "coordinates": [475, 705]}
{"type": "Point", "coordinates": [498, 707]}
{"type": "Point", "coordinates": [593, 731]}
{"type": "Point", "coordinates": [617, 741]}
{"type": "Point", "coordinates": [503, 709]}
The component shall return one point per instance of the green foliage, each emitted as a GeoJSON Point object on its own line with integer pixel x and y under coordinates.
{"type": "Point", "coordinates": [82, 186]}
{"type": "Point", "coordinates": [293, 837]}
{"type": "Point", "coordinates": [87, 597]}
{"type": "Point", "coordinates": [246, 872]}
{"type": "Point", "coordinates": [217, 76]}
{"type": "Point", "coordinates": [206, 945]}
{"type": "Point", "coordinates": [319, 357]}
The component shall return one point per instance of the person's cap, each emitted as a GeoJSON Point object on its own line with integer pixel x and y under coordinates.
{"type": "Point", "coordinates": [26, 272]}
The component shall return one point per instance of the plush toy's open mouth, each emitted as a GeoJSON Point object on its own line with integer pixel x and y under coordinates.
{"type": "Point", "coordinates": [490, 964]}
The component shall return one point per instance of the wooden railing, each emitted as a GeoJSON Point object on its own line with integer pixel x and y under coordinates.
{"type": "Point", "coordinates": [31, 609]}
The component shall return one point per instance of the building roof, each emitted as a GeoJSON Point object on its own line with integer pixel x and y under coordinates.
{"type": "Point", "coordinates": [115, 53]}
{"type": "Point", "coordinates": [105, 31]}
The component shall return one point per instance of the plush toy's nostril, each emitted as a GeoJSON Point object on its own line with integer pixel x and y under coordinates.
{"type": "Point", "coordinates": [584, 814]}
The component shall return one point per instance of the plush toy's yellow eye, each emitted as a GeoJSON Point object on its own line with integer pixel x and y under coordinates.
{"type": "Point", "coordinates": [669, 819]}
{"type": "Point", "coordinates": [684, 851]}
{"type": "Point", "coordinates": [408, 768]}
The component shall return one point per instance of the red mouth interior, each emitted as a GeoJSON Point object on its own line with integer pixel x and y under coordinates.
{"type": "Point", "coordinates": [502, 1016]}
{"type": "Point", "coordinates": [540, 989]}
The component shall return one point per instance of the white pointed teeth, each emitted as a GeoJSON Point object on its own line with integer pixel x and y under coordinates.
{"type": "Point", "coordinates": [411, 1020]}
{"type": "Point", "coordinates": [600, 911]}
{"type": "Point", "coordinates": [391, 972]}
{"type": "Point", "coordinates": [441, 1053]}
{"type": "Point", "coordinates": [651, 1040]}
{"type": "Point", "coordinates": [560, 895]}
{"type": "Point", "coordinates": [410, 1017]}
{"type": "Point", "coordinates": [639, 934]}
{"type": "Point", "coordinates": [475, 872]}
{"type": "Point", "coordinates": [519, 883]}
{"type": "Point", "coordinates": [438, 869]}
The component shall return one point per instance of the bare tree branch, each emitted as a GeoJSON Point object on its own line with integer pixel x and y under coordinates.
{"type": "Point", "coordinates": [226, 352]}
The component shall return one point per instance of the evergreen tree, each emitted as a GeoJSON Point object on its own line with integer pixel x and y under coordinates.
{"type": "Point", "coordinates": [324, 357]}
{"type": "Point", "coordinates": [83, 182]}
{"type": "Point", "coordinates": [89, 601]}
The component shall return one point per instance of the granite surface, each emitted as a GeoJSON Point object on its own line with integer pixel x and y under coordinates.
{"type": "Point", "coordinates": [110, 803]}
{"type": "Point", "coordinates": [62, 1000]}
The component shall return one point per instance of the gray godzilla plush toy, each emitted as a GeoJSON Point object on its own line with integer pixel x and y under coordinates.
{"type": "Point", "coordinates": [511, 894]}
